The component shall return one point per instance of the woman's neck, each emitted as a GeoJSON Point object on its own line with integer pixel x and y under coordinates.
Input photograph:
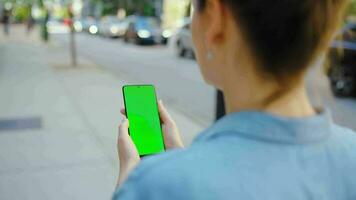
{"type": "Point", "coordinates": [293, 104]}
{"type": "Point", "coordinates": [251, 94]}
{"type": "Point", "coordinates": [245, 87]}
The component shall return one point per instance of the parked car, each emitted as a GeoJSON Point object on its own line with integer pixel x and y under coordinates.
{"type": "Point", "coordinates": [111, 26]}
{"type": "Point", "coordinates": [90, 25]}
{"type": "Point", "coordinates": [166, 35]}
{"type": "Point", "coordinates": [342, 71]}
{"type": "Point", "coordinates": [184, 43]}
{"type": "Point", "coordinates": [78, 25]}
{"type": "Point", "coordinates": [143, 30]}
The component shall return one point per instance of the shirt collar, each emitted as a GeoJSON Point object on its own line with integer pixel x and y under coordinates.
{"type": "Point", "coordinates": [271, 128]}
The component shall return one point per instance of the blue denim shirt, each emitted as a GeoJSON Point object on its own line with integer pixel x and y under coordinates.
{"type": "Point", "coordinates": [253, 155]}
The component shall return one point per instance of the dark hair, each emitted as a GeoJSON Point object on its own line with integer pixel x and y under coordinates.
{"type": "Point", "coordinates": [285, 35]}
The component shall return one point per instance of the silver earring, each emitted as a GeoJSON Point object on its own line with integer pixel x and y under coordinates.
{"type": "Point", "coordinates": [209, 55]}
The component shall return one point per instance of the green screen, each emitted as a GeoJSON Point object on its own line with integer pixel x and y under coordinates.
{"type": "Point", "coordinates": [142, 113]}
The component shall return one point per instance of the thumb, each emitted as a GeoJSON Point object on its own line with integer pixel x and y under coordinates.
{"type": "Point", "coordinates": [128, 154]}
{"type": "Point", "coordinates": [165, 116]}
{"type": "Point", "coordinates": [123, 129]}
{"type": "Point", "coordinates": [127, 149]}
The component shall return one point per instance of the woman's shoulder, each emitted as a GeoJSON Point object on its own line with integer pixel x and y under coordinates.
{"type": "Point", "coordinates": [160, 176]}
{"type": "Point", "coordinates": [343, 138]}
{"type": "Point", "coordinates": [343, 130]}
{"type": "Point", "coordinates": [172, 159]}
{"type": "Point", "coordinates": [165, 176]}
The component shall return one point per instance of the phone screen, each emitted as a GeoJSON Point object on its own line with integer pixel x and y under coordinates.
{"type": "Point", "coordinates": [144, 122]}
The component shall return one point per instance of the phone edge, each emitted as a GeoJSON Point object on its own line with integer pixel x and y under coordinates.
{"type": "Point", "coordinates": [159, 116]}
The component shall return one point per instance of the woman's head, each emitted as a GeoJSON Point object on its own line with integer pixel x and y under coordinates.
{"type": "Point", "coordinates": [280, 38]}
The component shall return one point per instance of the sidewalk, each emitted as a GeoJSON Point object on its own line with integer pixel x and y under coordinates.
{"type": "Point", "coordinates": [70, 150]}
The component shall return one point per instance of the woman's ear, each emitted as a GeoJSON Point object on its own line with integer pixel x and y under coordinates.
{"type": "Point", "coordinates": [214, 11]}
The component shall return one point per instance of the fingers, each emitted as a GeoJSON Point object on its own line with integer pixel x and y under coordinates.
{"type": "Point", "coordinates": [124, 124]}
{"type": "Point", "coordinates": [123, 111]}
{"type": "Point", "coordinates": [165, 116]}
{"type": "Point", "coordinates": [126, 147]}
{"type": "Point", "coordinates": [128, 154]}
{"type": "Point", "coordinates": [123, 129]}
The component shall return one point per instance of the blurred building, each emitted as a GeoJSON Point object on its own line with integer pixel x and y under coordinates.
{"type": "Point", "coordinates": [174, 12]}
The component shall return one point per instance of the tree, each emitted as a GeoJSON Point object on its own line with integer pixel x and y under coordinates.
{"type": "Point", "coordinates": [142, 7]}
{"type": "Point", "coordinates": [189, 9]}
{"type": "Point", "coordinates": [352, 8]}
{"type": "Point", "coordinates": [110, 7]}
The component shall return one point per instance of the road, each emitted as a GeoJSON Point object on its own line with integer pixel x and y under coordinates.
{"type": "Point", "coordinates": [178, 81]}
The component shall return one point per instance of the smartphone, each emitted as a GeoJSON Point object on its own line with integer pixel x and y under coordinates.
{"type": "Point", "coordinates": [144, 121]}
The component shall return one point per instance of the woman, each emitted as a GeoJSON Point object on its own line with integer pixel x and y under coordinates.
{"type": "Point", "coordinates": [272, 144]}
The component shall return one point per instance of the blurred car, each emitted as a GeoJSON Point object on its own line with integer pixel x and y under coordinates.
{"type": "Point", "coordinates": [125, 24]}
{"type": "Point", "coordinates": [90, 25]}
{"type": "Point", "coordinates": [78, 25]}
{"type": "Point", "coordinates": [111, 26]}
{"type": "Point", "coordinates": [342, 71]}
{"type": "Point", "coordinates": [184, 43]}
{"type": "Point", "coordinates": [57, 26]}
{"type": "Point", "coordinates": [166, 35]}
{"type": "Point", "coordinates": [143, 30]}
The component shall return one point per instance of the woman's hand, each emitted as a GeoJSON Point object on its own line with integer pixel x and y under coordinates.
{"type": "Point", "coordinates": [128, 154]}
{"type": "Point", "coordinates": [170, 130]}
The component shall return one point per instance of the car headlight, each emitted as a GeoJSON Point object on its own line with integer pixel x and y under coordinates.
{"type": "Point", "coordinates": [78, 26]}
{"type": "Point", "coordinates": [114, 29]}
{"type": "Point", "coordinates": [93, 29]}
{"type": "Point", "coordinates": [144, 34]}
{"type": "Point", "coordinates": [167, 33]}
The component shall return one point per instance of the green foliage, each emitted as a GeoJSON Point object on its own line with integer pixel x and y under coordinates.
{"type": "Point", "coordinates": [110, 7]}
{"type": "Point", "coordinates": [148, 9]}
{"type": "Point", "coordinates": [142, 7]}
{"type": "Point", "coordinates": [21, 12]}
{"type": "Point", "coordinates": [60, 13]}
{"type": "Point", "coordinates": [352, 8]}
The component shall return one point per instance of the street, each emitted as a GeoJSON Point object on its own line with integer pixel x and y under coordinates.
{"type": "Point", "coordinates": [179, 82]}
{"type": "Point", "coordinates": [58, 124]}
{"type": "Point", "coordinates": [64, 135]}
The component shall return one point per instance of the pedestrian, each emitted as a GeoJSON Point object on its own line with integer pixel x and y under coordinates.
{"type": "Point", "coordinates": [44, 28]}
{"type": "Point", "coordinates": [272, 144]}
{"type": "Point", "coordinates": [6, 14]}
{"type": "Point", "coordinates": [30, 21]}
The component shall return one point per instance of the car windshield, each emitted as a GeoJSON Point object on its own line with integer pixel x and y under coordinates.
{"type": "Point", "coordinates": [110, 19]}
{"type": "Point", "coordinates": [147, 23]}
{"type": "Point", "coordinates": [113, 20]}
